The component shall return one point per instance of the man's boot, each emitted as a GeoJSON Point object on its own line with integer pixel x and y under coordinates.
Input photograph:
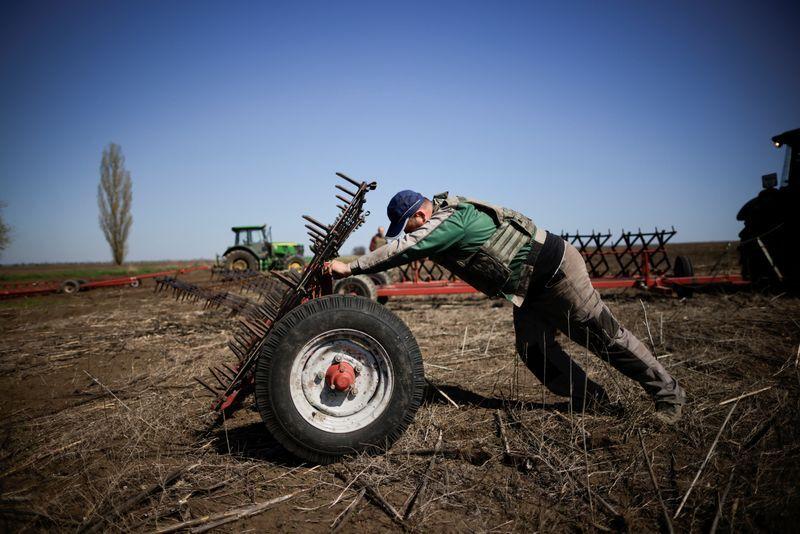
{"type": "Point", "coordinates": [668, 413]}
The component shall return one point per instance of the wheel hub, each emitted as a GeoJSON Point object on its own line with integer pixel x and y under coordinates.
{"type": "Point", "coordinates": [341, 380]}
{"type": "Point", "coordinates": [341, 376]}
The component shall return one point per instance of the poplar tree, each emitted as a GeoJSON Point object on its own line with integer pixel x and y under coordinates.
{"type": "Point", "coordinates": [114, 201]}
{"type": "Point", "coordinates": [5, 230]}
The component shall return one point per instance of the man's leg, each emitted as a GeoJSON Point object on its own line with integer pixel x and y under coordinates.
{"type": "Point", "coordinates": [578, 310]}
{"type": "Point", "coordinates": [541, 353]}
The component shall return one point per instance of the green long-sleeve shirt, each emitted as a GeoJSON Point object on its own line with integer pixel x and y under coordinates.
{"type": "Point", "coordinates": [454, 232]}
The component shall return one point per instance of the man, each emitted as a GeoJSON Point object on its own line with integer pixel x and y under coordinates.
{"type": "Point", "coordinates": [503, 253]}
{"type": "Point", "coordinates": [378, 240]}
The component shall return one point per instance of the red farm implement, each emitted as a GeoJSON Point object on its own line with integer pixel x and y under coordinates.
{"type": "Point", "coordinates": [74, 285]}
{"type": "Point", "coordinates": [332, 374]}
{"type": "Point", "coordinates": [634, 260]}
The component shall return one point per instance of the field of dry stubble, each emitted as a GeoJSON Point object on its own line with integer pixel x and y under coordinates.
{"type": "Point", "coordinates": [103, 428]}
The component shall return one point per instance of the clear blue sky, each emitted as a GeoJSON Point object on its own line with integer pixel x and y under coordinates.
{"type": "Point", "coordinates": [603, 115]}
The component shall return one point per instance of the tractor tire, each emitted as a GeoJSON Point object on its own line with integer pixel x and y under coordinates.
{"type": "Point", "coordinates": [70, 287]}
{"type": "Point", "coordinates": [681, 268]}
{"type": "Point", "coordinates": [301, 410]}
{"type": "Point", "coordinates": [239, 260]}
{"type": "Point", "coordinates": [381, 279]}
{"type": "Point", "coordinates": [360, 285]}
{"type": "Point", "coordinates": [135, 282]}
{"type": "Point", "coordinates": [296, 263]}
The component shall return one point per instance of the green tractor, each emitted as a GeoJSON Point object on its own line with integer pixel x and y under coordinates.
{"type": "Point", "coordinates": [255, 250]}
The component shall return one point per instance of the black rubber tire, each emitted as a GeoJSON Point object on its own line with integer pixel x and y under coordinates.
{"type": "Point", "coordinates": [70, 287]}
{"type": "Point", "coordinates": [683, 267]}
{"type": "Point", "coordinates": [360, 285]}
{"type": "Point", "coordinates": [381, 279]}
{"type": "Point", "coordinates": [135, 282]}
{"type": "Point", "coordinates": [237, 259]}
{"type": "Point", "coordinates": [295, 263]}
{"type": "Point", "coordinates": [290, 335]}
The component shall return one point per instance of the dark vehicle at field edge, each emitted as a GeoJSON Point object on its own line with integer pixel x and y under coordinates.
{"type": "Point", "coordinates": [771, 223]}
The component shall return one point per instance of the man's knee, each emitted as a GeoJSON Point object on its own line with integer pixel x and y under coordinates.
{"type": "Point", "coordinates": [600, 332]}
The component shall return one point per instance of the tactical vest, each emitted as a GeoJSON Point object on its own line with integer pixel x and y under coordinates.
{"type": "Point", "coordinates": [488, 269]}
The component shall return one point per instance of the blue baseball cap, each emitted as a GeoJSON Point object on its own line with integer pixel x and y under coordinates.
{"type": "Point", "coordinates": [402, 206]}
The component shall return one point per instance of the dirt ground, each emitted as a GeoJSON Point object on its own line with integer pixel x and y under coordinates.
{"type": "Point", "coordinates": [103, 428]}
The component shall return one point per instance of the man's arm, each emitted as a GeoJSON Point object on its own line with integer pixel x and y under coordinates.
{"type": "Point", "coordinates": [444, 228]}
{"type": "Point", "coordinates": [441, 231]}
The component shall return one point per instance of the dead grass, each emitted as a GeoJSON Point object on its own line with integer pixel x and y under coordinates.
{"type": "Point", "coordinates": [104, 430]}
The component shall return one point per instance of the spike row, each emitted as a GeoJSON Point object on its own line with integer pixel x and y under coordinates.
{"type": "Point", "coordinates": [279, 292]}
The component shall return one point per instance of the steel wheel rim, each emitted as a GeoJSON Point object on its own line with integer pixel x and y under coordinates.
{"type": "Point", "coordinates": [239, 265]}
{"type": "Point", "coordinates": [338, 411]}
{"type": "Point", "coordinates": [70, 288]}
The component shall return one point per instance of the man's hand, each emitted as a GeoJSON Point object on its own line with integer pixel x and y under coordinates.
{"type": "Point", "coordinates": [337, 269]}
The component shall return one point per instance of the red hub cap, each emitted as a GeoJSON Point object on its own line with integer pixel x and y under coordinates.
{"type": "Point", "coordinates": [340, 376]}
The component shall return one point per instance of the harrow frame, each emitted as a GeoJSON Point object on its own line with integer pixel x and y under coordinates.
{"type": "Point", "coordinates": [635, 260]}
{"type": "Point", "coordinates": [280, 293]}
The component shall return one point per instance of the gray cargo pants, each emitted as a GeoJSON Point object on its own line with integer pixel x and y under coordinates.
{"type": "Point", "coordinates": [570, 304]}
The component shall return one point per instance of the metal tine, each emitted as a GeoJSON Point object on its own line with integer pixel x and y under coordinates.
{"type": "Point", "coordinates": [345, 177]}
{"type": "Point", "coordinates": [346, 201]}
{"type": "Point", "coordinates": [237, 350]}
{"type": "Point", "coordinates": [209, 388]}
{"type": "Point", "coordinates": [264, 293]}
{"type": "Point", "coordinates": [221, 382]}
{"type": "Point", "coordinates": [342, 188]}
{"type": "Point", "coordinates": [285, 279]}
{"type": "Point", "coordinates": [254, 327]}
{"type": "Point", "coordinates": [343, 208]}
{"type": "Point", "coordinates": [248, 327]}
{"type": "Point", "coordinates": [272, 301]}
{"type": "Point", "coordinates": [312, 220]}
{"type": "Point", "coordinates": [241, 348]}
{"type": "Point", "coordinates": [244, 335]}
{"type": "Point", "coordinates": [228, 367]}
{"type": "Point", "coordinates": [219, 374]}
{"type": "Point", "coordinates": [252, 313]}
{"type": "Point", "coordinates": [268, 315]}
{"type": "Point", "coordinates": [317, 232]}
{"type": "Point", "coordinates": [224, 372]}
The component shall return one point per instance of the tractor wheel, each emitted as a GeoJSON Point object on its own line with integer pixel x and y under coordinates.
{"type": "Point", "coordinates": [297, 263]}
{"type": "Point", "coordinates": [337, 376]}
{"type": "Point", "coordinates": [683, 267]}
{"type": "Point", "coordinates": [360, 285]}
{"type": "Point", "coordinates": [70, 287]}
{"type": "Point", "coordinates": [239, 260]}
{"type": "Point", "coordinates": [135, 282]}
{"type": "Point", "coordinates": [381, 279]}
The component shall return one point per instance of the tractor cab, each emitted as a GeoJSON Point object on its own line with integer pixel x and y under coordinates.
{"type": "Point", "coordinates": [771, 221]}
{"type": "Point", "coordinates": [257, 237]}
{"type": "Point", "coordinates": [254, 250]}
{"type": "Point", "coordinates": [790, 142]}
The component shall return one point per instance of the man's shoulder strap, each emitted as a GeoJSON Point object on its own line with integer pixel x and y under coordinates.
{"type": "Point", "coordinates": [498, 213]}
{"type": "Point", "coordinates": [444, 200]}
